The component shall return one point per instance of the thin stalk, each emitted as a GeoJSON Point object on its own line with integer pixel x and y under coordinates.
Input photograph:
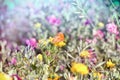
{"type": "Point", "coordinates": [81, 78]}
{"type": "Point", "coordinates": [84, 12]}
{"type": "Point", "coordinates": [0, 66]}
{"type": "Point", "coordinates": [114, 41]}
{"type": "Point", "coordinates": [116, 14]}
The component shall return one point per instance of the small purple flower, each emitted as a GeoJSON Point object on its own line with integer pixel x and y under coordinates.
{"type": "Point", "coordinates": [54, 20]}
{"type": "Point", "coordinates": [93, 60]}
{"type": "Point", "coordinates": [62, 67]}
{"type": "Point", "coordinates": [13, 61]}
{"type": "Point", "coordinates": [87, 22]}
{"type": "Point", "coordinates": [93, 57]}
{"type": "Point", "coordinates": [31, 42]}
{"type": "Point", "coordinates": [112, 28]}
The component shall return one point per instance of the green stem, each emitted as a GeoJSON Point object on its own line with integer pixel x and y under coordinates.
{"type": "Point", "coordinates": [114, 41]}
{"type": "Point", "coordinates": [81, 78]}
{"type": "Point", "coordinates": [79, 6]}
{"type": "Point", "coordinates": [0, 66]}
{"type": "Point", "coordinates": [116, 13]}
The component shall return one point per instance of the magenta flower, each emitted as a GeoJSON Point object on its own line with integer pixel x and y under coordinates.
{"type": "Point", "coordinates": [99, 34]}
{"type": "Point", "coordinates": [31, 42]}
{"type": "Point", "coordinates": [54, 20]}
{"type": "Point", "coordinates": [62, 67]}
{"type": "Point", "coordinates": [94, 40]}
{"type": "Point", "coordinates": [112, 28]}
{"type": "Point", "coordinates": [93, 57]}
{"type": "Point", "coordinates": [87, 22]}
{"type": "Point", "coordinates": [117, 37]}
{"type": "Point", "coordinates": [88, 40]}
{"type": "Point", "coordinates": [13, 61]}
{"type": "Point", "coordinates": [16, 77]}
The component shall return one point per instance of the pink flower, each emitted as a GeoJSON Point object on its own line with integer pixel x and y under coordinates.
{"type": "Point", "coordinates": [13, 61]}
{"type": "Point", "coordinates": [61, 67]}
{"type": "Point", "coordinates": [112, 28]}
{"type": "Point", "coordinates": [54, 20]}
{"type": "Point", "coordinates": [88, 41]}
{"type": "Point", "coordinates": [93, 57]}
{"type": "Point", "coordinates": [94, 40]}
{"type": "Point", "coordinates": [117, 37]}
{"type": "Point", "coordinates": [31, 42]}
{"type": "Point", "coordinates": [16, 77]}
{"type": "Point", "coordinates": [99, 34]}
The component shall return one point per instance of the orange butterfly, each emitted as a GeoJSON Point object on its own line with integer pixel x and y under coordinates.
{"type": "Point", "coordinates": [58, 38]}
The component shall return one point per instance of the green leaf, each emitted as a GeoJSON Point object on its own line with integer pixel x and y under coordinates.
{"type": "Point", "coordinates": [119, 41]}
{"type": "Point", "coordinates": [33, 66]}
{"type": "Point", "coordinates": [116, 3]}
{"type": "Point", "coordinates": [100, 64]}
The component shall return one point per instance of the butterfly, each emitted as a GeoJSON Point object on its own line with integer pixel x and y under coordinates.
{"type": "Point", "coordinates": [58, 38]}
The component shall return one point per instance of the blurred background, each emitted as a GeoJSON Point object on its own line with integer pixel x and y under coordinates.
{"type": "Point", "coordinates": [18, 17]}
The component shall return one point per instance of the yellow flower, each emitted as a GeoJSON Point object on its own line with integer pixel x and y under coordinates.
{"type": "Point", "coordinates": [4, 76]}
{"type": "Point", "coordinates": [40, 57]}
{"type": "Point", "coordinates": [97, 75]}
{"type": "Point", "coordinates": [60, 44]}
{"type": "Point", "coordinates": [85, 54]}
{"type": "Point", "coordinates": [44, 42]}
{"type": "Point", "coordinates": [100, 24]}
{"type": "Point", "coordinates": [54, 77]}
{"type": "Point", "coordinates": [37, 25]}
{"type": "Point", "coordinates": [110, 64]}
{"type": "Point", "coordinates": [50, 39]}
{"type": "Point", "coordinates": [79, 68]}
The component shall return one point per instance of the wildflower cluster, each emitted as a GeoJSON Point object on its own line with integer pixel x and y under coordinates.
{"type": "Point", "coordinates": [81, 42]}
